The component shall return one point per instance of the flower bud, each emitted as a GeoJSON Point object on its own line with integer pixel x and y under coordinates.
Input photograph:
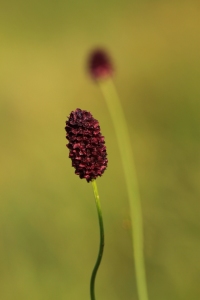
{"type": "Point", "coordinates": [100, 65]}
{"type": "Point", "coordinates": [86, 145]}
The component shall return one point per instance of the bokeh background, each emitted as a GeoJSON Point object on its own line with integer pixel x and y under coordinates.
{"type": "Point", "coordinates": [49, 231]}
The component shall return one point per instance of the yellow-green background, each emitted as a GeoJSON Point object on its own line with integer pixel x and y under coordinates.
{"type": "Point", "coordinates": [49, 232]}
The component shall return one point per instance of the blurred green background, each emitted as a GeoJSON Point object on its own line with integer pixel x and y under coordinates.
{"type": "Point", "coordinates": [49, 231]}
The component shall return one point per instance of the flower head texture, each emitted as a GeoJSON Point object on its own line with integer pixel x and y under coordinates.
{"type": "Point", "coordinates": [86, 145]}
{"type": "Point", "coordinates": [100, 65]}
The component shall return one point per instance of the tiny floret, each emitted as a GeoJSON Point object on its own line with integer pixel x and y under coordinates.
{"type": "Point", "coordinates": [100, 65]}
{"type": "Point", "coordinates": [86, 145]}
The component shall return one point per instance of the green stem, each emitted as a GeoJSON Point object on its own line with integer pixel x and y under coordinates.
{"type": "Point", "coordinates": [121, 129]}
{"type": "Point", "coordinates": [101, 245]}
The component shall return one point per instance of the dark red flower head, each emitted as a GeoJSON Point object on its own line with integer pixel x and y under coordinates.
{"type": "Point", "coordinates": [100, 65]}
{"type": "Point", "coordinates": [86, 145]}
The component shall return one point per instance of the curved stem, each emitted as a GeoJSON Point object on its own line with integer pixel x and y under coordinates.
{"type": "Point", "coordinates": [122, 134]}
{"type": "Point", "coordinates": [101, 245]}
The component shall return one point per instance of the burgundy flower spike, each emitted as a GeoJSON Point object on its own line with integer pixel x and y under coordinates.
{"type": "Point", "coordinates": [86, 145]}
{"type": "Point", "coordinates": [100, 65]}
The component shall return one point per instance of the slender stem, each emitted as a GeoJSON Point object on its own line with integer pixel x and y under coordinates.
{"type": "Point", "coordinates": [101, 245]}
{"type": "Point", "coordinates": [121, 129]}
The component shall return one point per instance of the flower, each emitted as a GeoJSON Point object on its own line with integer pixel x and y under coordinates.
{"type": "Point", "coordinates": [99, 64]}
{"type": "Point", "coordinates": [86, 145]}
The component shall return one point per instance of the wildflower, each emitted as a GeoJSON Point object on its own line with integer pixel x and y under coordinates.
{"type": "Point", "coordinates": [86, 145]}
{"type": "Point", "coordinates": [100, 65]}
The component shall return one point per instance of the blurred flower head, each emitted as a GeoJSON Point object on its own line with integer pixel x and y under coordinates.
{"type": "Point", "coordinates": [86, 145]}
{"type": "Point", "coordinates": [99, 64]}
